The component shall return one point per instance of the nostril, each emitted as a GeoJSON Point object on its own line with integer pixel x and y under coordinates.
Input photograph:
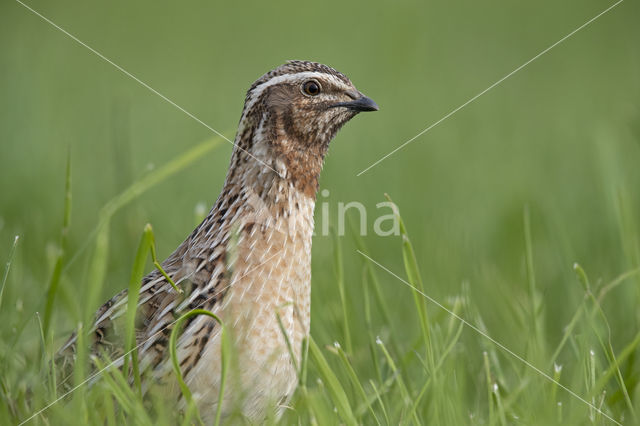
{"type": "Point", "coordinates": [353, 94]}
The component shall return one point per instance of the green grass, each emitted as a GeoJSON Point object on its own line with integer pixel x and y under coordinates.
{"type": "Point", "coordinates": [423, 380]}
{"type": "Point", "coordinates": [520, 212]}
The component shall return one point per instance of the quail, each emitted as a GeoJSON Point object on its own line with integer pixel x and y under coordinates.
{"type": "Point", "coordinates": [249, 261]}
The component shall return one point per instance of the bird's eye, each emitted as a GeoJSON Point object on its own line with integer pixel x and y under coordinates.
{"type": "Point", "coordinates": [311, 88]}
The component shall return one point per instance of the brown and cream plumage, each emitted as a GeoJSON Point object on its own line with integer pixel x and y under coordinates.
{"type": "Point", "coordinates": [264, 216]}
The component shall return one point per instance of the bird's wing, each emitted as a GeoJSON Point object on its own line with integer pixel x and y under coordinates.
{"type": "Point", "coordinates": [202, 278]}
{"type": "Point", "coordinates": [203, 288]}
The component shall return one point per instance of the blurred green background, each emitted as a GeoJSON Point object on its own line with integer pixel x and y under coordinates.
{"type": "Point", "coordinates": [561, 139]}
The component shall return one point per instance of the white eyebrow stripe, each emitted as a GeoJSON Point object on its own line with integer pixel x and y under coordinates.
{"type": "Point", "coordinates": [298, 77]}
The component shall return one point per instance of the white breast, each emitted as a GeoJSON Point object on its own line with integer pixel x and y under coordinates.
{"type": "Point", "coordinates": [271, 279]}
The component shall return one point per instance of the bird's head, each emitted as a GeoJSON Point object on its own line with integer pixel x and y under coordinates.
{"type": "Point", "coordinates": [291, 114]}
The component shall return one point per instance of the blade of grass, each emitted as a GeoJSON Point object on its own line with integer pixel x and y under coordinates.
{"type": "Point", "coordinates": [415, 279]}
{"type": "Point", "coordinates": [304, 351]}
{"type": "Point", "coordinates": [285, 335]}
{"type": "Point", "coordinates": [401, 385]}
{"type": "Point", "coordinates": [336, 391]}
{"type": "Point", "coordinates": [54, 282]}
{"type": "Point", "coordinates": [614, 367]}
{"type": "Point", "coordinates": [557, 372]}
{"type": "Point", "coordinates": [133, 296]}
{"type": "Point", "coordinates": [607, 347]}
{"type": "Point", "coordinates": [42, 342]}
{"type": "Point", "coordinates": [501, 412]}
{"type": "Point", "coordinates": [79, 371]}
{"type": "Point", "coordinates": [591, 381]}
{"type": "Point", "coordinates": [339, 274]}
{"type": "Point", "coordinates": [628, 230]}
{"type": "Point", "coordinates": [452, 342]}
{"type": "Point", "coordinates": [369, 323]}
{"type": "Point", "coordinates": [224, 361]}
{"type": "Point", "coordinates": [489, 379]}
{"type": "Point", "coordinates": [47, 360]}
{"type": "Point", "coordinates": [110, 409]}
{"type": "Point", "coordinates": [353, 377]}
{"type": "Point", "coordinates": [568, 331]}
{"type": "Point", "coordinates": [156, 263]}
{"type": "Point", "coordinates": [604, 291]}
{"type": "Point", "coordinates": [382, 407]}
{"type": "Point", "coordinates": [304, 363]}
{"type": "Point", "coordinates": [118, 386]}
{"type": "Point", "coordinates": [374, 283]}
{"type": "Point", "coordinates": [536, 305]}
{"type": "Point", "coordinates": [97, 272]}
{"type": "Point", "coordinates": [7, 266]}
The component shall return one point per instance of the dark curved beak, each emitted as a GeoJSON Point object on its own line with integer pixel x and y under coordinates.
{"type": "Point", "coordinates": [360, 104]}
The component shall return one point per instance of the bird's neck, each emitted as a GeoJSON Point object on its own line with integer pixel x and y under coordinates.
{"type": "Point", "coordinates": [272, 197]}
{"type": "Point", "coordinates": [267, 191]}
{"type": "Point", "coordinates": [269, 155]}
